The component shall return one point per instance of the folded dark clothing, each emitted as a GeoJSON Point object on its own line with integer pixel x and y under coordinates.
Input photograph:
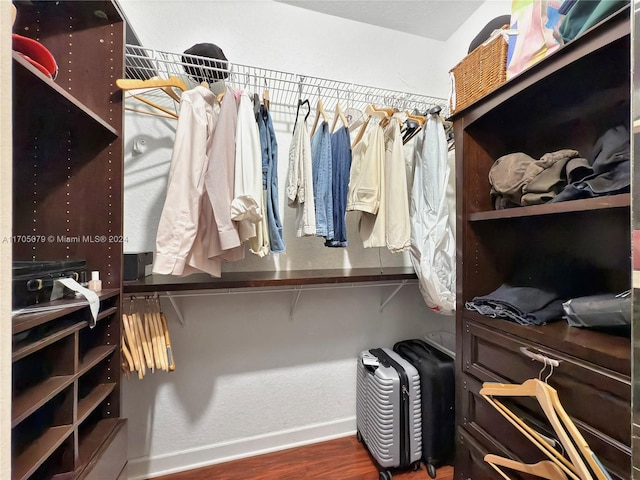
{"type": "Point", "coordinates": [614, 181]}
{"type": "Point", "coordinates": [524, 305]}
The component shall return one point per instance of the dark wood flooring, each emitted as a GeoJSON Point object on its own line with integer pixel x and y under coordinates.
{"type": "Point", "coordinates": [340, 459]}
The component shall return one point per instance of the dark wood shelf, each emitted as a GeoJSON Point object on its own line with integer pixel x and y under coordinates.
{"type": "Point", "coordinates": [33, 398]}
{"type": "Point", "coordinates": [161, 283]}
{"type": "Point", "coordinates": [588, 204]}
{"type": "Point", "coordinates": [27, 347]}
{"type": "Point", "coordinates": [38, 451]}
{"type": "Point", "coordinates": [89, 403]}
{"type": "Point", "coordinates": [95, 356]}
{"type": "Point", "coordinates": [52, 97]}
{"type": "Point", "coordinates": [29, 320]}
{"type": "Point", "coordinates": [106, 313]}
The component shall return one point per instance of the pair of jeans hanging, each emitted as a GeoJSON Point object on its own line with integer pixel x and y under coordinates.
{"type": "Point", "coordinates": [269, 146]}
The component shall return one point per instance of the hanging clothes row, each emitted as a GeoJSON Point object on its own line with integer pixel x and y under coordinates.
{"type": "Point", "coordinates": [220, 188]}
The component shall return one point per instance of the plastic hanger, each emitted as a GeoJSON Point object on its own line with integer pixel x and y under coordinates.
{"type": "Point", "coordinates": [543, 469]}
{"type": "Point", "coordinates": [575, 445]}
{"type": "Point", "coordinates": [301, 103]}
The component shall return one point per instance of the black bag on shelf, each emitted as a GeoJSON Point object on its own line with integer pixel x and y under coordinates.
{"type": "Point", "coordinates": [33, 280]}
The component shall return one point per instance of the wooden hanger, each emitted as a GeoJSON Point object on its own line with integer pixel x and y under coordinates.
{"type": "Point", "coordinates": [166, 85]}
{"type": "Point", "coordinates": [265, 98]}
{"type": "Point", "coordinates": [319, 111]}
{"type": "Point", "coordinates": [380, 112]}
{"type": "Point", "coordinates": [418, 118]}
{"type": "Point", "coordinates": [338, 113]}
{"type": "Point", "coordinates": [535, 438]}
{"type": "Point", "coordinates": [361, 132]}
{"type": "Point", "coordinates": [573, 442]}
{"type": "Point", "coordinates": [543, 469]}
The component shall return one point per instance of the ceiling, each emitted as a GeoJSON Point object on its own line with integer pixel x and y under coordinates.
{"type": "Point", "coordinates": [433, 19]}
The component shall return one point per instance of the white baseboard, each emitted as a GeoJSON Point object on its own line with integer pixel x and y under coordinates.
{"type": "Point", "coordinates": [142, 468]}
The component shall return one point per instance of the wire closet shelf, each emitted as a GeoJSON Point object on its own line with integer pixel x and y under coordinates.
{"type": "Point", "coordinates": [285, 89]}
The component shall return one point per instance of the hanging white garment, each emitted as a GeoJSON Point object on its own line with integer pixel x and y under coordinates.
{"type": "Point", "coordinates": [300, 180]}
{"type": "Point", "coordinates": [247, 206]}
{"type": "Point", "coordinates": [433, 245]}
{"type": "Point", "coordinates": [398, 227]}
{"type": "Point", "coordinates": [184, 230]}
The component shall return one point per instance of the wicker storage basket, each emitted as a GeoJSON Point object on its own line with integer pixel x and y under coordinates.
{"type": "Point", "coordinates": [480, 72]}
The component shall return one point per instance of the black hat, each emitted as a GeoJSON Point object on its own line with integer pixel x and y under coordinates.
{"type": "Point", "coordinates": [204, 69]}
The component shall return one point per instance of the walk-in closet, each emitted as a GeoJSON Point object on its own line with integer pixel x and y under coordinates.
{"type": "Point", "coordinates": [226, 225]}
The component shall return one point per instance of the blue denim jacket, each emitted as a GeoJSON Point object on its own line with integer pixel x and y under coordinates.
{"type": "Point", "coordinates": [322, 181]}
{"type": "Point", "coordinates": [341, 168]}
{"type": "Point", "coordinates": [269, 147]}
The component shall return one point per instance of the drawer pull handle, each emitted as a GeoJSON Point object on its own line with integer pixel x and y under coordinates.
{"type": "Point", "coordinates": [539, 357]}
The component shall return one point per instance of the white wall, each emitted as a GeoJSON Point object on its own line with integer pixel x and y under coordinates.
{"type": "Point", "coordinates": [249, 377]}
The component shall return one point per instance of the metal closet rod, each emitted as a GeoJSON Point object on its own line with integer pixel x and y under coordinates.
{"type": "Point", "coordinates": [285, 88]}
{"type": "Point", "coordinates": [275, 289]}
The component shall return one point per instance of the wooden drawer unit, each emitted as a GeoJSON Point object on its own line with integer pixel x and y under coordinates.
{"type": "Point", "coordinates": [597, 399]}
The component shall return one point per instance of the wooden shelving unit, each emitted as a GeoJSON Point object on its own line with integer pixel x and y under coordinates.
{"type": "Point", "coordinates": [568, 100]}
{"type": "Point", "coordinates": [67, 182]}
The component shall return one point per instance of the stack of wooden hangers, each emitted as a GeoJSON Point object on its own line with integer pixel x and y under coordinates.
{"type": "Point", "coordinates": [145, 341]}
{"type": "Point", "coordinates": [581, 464]}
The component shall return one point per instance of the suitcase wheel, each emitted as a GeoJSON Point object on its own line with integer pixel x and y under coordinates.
{"type": "Point", "coordinates": [384, 475]}
{"type": "Point", "coordinates": [358, 436]}
{"type": "Point", "coordinates": [415, 466]}
{"type": "Point", "coordinates": [431, 470]}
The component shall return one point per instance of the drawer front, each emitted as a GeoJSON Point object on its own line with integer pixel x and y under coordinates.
{"type": "Point", "coordinates": [470, 464]}
{"type": "Point", "coordinates": [594, 397]}
{"type": "Point", "coordinates": [482, 421]}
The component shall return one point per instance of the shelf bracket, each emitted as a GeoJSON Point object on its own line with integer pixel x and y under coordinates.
{"type": "Point", "coordinates": [294, 303]}
{"type": "Point", "coordinates": [176, 308]}
{"type": "Point", "coordinates": [393, 294]}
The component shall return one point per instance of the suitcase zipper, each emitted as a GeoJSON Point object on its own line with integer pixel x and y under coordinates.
{"type": "Point", "coordinates": [405, 443]}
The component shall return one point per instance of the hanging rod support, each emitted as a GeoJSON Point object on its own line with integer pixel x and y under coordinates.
{"type": "Point", "coordinates": [393, 294]}
{"type": "Point", "coordinates": [295, 301]}
{"type": "Point", "coordinates": [176, 308]}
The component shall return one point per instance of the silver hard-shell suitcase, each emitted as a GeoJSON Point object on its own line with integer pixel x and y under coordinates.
{"type": "Point", "coordinates": [388, 410]}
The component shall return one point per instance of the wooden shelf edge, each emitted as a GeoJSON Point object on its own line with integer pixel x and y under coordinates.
{"type": "Point", "coordinates": [107, 313]}
{"type": "Point", "coordinates": [587, 204]}
{"type": "Point", "coordinates": [26, 321]}
{"type": "Point", "coordinates": [41, 449]}
{"type": "Point", "coordinates": [31, 347]}
{"type": "Point", "coordinates": [89, 403]}
{"type": "Point", "coordinates": [94, 357]}
{"type": "Point", "coordinates": [36, 396]}
{"type": "Point", "coordinates": [162, 283]}
{"type": "Point", "coordinates": [57, 90]}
